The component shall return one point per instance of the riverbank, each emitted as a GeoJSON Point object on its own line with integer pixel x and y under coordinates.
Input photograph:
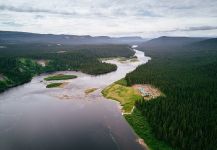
{"type": "Point", "coordinates": [19, 67]}
{"type": "Point", "coordinates": [127, 96]}
{"type": "Point", "coordinates": [142, 128]}
{"type": "Point", "coordinates": [73, 114]}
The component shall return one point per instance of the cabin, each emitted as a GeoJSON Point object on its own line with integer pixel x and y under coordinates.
{"type": "Point", "coordinates": [143, 92]}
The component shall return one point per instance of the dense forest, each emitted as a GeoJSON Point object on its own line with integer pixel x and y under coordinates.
{"type": "Point", "coordinates": [186, 117]}
{"type": "Point", "coordinates": [18, 62]}
{"type": "Point", "coordinates": [14, 71]}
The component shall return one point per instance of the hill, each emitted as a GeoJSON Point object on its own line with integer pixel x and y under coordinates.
{"type": "Point", "coordinates": [25, 37]}
{"type": "Point", "coordinates": [20, 53]}
{"type": "Point", "coordinates": [209, 44]}
{"type": "Point", "coordinates": [167, 43]}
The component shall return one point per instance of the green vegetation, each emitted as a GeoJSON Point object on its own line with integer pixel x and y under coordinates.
{"type": "Point", "coordinates": [186, 117]}
{"type": "Point", "coordinates": [39, 50]}
{"type": "Point", "coordinates": [88, 91]}
{"type": "Point", "coordinates": [77, 61]}
{"type": "Point", "coordinates": [122, 82]}
{"type": "Point", "coordinates": [96, 68]}
{"type": "Point", "coordinates": [17, 71]}
{"type": "Point", "coordinates": [18, 61]}
{"type": "Point", "coordinates": [143, 130]}
{"type": "Point", "coordinates": [127, 96]}
{"type": "Point", "coordinates": [60, 77]}
{"type": "Point", "coordinates": [53, 85]}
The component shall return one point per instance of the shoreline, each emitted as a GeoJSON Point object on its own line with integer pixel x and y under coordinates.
{"type": "Point", "coordinates": [74, 91]}
{"type": "Point", "coordinates": [135, 120]}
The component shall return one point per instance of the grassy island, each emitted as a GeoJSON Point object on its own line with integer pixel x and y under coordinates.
{"type": "Point", "coordinates": [53, 85]}
{"type": "Point", "coordinates": [60, 77]}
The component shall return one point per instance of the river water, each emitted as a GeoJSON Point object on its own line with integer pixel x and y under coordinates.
{"type": "Point", "coordinates": [35, 118]}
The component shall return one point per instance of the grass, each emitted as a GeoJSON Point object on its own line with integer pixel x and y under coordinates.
{"type": "Point", "coordinates": [60, 77]}
{"type": "Point", "coordinates": [122, 82]}
{"type": "Point", "coordinates": [88, 91]}
{"type": "Point", "coordinates": [143, 130]}
{"type": "Point", "coordinates": [53, 85]}
{"type": "Point", "coordinates": [127, 96]}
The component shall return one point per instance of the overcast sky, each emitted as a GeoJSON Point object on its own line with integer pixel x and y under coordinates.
{"type": "Point", "coordinates": [147, 18]}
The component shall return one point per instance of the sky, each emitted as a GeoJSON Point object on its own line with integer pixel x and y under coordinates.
{"type": "Point", "coordinates": [146, 18]}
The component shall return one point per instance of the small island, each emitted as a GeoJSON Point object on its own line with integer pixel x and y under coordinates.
{"type": "Point", "coordinates": [54, 85]}
{"type": "Point", "coordinates": [60, 77]}
{"type": "Point", "coordinates": [91, 90]}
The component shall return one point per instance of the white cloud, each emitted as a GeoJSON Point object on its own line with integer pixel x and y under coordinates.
{"type": "Point", "coordinates": [111, 17]}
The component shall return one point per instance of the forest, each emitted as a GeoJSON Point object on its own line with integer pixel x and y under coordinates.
{"type": "Point", "coordinates": [18, 62]}
{"type": "Point", "coordinates": [15, 71]}
{"type": "Point", "coordinates": [186, 117]}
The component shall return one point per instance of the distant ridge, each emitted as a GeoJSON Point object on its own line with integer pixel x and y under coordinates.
{"type": "Point", "coordinates": [26, 37]}
{"type": "Point", "coordinates": [209, 44]}
{"type": "Point", "coordinates": [166, 43]}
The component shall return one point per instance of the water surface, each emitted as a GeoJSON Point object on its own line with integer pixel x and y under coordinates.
{"type": "Point", "coordinates": [35, 118]}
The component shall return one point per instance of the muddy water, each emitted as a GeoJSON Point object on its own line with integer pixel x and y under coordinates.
{"type": "Point", "coordinates": [35, 118]}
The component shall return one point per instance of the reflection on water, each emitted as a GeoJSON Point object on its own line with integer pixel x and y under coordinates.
{"type": "Point", "coordinates": [35, 118]}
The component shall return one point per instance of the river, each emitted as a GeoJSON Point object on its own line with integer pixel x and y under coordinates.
{"type": "Point", "coordinates": [33, 117]}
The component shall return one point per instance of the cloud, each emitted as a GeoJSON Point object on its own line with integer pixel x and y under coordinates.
{"type": "Point", "coordinates": [110, 17]}
{"type": "Point", "coordinates": [200, 28]}
{"type": "Point", "coordinates": [32, 10]}
{"type": "Point", "coordinates": [10, 23]}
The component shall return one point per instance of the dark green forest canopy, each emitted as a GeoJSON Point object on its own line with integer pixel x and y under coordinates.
{"type": "Point", "coordinates": [18, 61]}
{"type": "Point", "coordinates": [186, 117]}
{"type": "Point", "coordinates": [22, 49]}
{"type": "Point", "coordinates": [17, 71]}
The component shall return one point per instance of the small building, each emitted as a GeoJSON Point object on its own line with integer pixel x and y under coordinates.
{"type": "Point", "coordinates": [143, 92]}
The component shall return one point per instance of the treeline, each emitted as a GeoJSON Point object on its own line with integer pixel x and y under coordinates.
{"type": "Point", "coordinates": [10, 49]}
{"type": "Point", "coordinates": [18, 62]}
{"type": "Point", "coordinates": [16, 71]}
{"type": "Point", "coordinates": [186, 117]}
{"type": "Point", "coordinates": [77, 61]}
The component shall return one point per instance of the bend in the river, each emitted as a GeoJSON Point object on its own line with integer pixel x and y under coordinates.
{"type": "Point", "coordinates": [33, 117]}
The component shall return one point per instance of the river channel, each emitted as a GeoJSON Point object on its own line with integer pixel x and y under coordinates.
{"type": "Point", "coordinates": [33, 117]}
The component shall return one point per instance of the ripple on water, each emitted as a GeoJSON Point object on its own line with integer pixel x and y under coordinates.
{"type": "Point", "coordinates": [66, 118]}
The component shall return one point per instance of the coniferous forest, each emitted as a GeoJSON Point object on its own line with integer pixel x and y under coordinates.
{"type": "Point", "coordinates": [186, 117]}
{"type": "Point", "coordinates": [18, 62]}
{"type": "Point", "coordinates": [108, 74]}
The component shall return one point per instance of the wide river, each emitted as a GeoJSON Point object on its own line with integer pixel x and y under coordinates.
{"type": "Point", "coordinates": [35, 118]}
